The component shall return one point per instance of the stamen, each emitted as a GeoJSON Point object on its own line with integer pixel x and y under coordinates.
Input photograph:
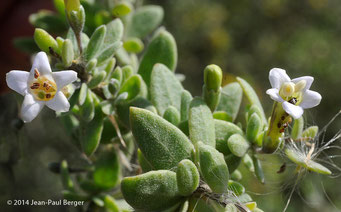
{"type": "Point", "coordinates": [36, 73]}
{"type": "Point", "coordinates": [35, 85]}
{"type": "Point", "coordinates": [46, 85]}
{"type": "Point", "coordinates": [48, 96]}
{"type": "Point", "coordinates": [300, 85]}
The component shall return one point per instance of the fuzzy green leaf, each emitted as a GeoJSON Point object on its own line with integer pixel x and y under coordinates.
{"type": "Point", "coordinates": [186, 99]}
{"type": "Point", "coordinates": [238, 145]}
{"type": "Point", "coordinates": [230, 100]}
{"type": "Point", "coordinates": [152, 191]}
{"type": "Point", "coordinates": [134, 86]}
{"type": "Point", "coordinates": [213, 168]}
{"type": "Point", "coordinates": [172, 115]}
{"type": "Point", "coordinates": [187, 176]}
{"type": "Point", "coordinates": [91, 132]}
{"type": "Point", "coordinates": [223, 131]}
{"type": "Point", "coordinates": [144, 20]}
{"type": "Point", "coordinates": [201, 123]}
{"type": "Point", "coordinates": [45, 41]}
{"type": "Point", "coordinates": [162, 49]}
{"type": "Point", "coordinates": [95, 42]}
{"type": "Point", "coordinates": [165, 89]}
{"type": "Point", "coordinates": [163, 144]}
{"type": "Point", "coordinates": [107, 170]}
{"type": "Point", "coordinates": [251, 95]}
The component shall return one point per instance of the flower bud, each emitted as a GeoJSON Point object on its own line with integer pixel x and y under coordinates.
{"type": "Point", "coordinates": [45, 41]}
{"type": "Point", "coordinates": [72, 5]}
{"type": "Point", "coordinates": [213, 77]}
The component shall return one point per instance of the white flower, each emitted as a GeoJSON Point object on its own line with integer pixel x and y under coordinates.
{"type": "Point", "coordinates": [293, 94]}
{"type": "Point", "coordinates": [40, 87]}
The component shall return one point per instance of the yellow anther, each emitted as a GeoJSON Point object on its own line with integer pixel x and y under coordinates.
{"type": "Point", "coordinates": [300, 85]}
{"type": "Point", "coordinates": [287, 89]}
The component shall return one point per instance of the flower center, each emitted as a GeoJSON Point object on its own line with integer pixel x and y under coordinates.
{"type": "Point", "coordinates": [292, 92]}
{"type": "Point", "coordinates": [42, 88]}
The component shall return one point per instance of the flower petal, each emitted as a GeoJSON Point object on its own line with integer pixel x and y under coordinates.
{"type": "Point", "coordinates": [59, 103]}
{"type": "Point", "coordinates": [310, 99]}
{"type": "Point", "coordinates": [30, 108]}
{"type": "Point", "coordinates": [42, 64]}
{"type": "Point", "coordinates": [309, 80]}
{"type": "Point", "coordinates": [293, 110]}
{"type": "Point", "coordinates": [274, 94]}
{"type": "Point", "coordinates": [17, 80]}
{"type": "Point", "coordinates": [63, 78]}
{"type": "Point", "coordinates": [277, 77]}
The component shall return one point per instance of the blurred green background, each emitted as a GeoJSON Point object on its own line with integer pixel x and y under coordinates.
{"type": "Point", "coordinates": [245, 38]}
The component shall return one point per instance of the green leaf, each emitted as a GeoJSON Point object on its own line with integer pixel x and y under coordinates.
{"type": "Point", "coordinates": [258, 169]}
{"type": "Point", "coordinates": [110, 204]}
{"type": "Point", "coordinates": [254, 127]}
{"type": "Point", "coordinates": [163, 144]}
{"type": "Point", "coordinates": [26, 44]}
{"type": "Point", "coordinates": [236, 175]}
{"type": "Point", "coordinates": [45, 41]}
{"type": "Point", "coordinates": [84, 38]}
{"type": "Point", "coordinates": [232, 162]}
{"type": "Point", "coordinates": [301, 159]}
{"type": "Point", "coordinates": [310, 132]}
{"type": "Point", "coordinates": [67, 53]}
{"type": "Point", "coordinates": [97, 79]}
{"type": "Point", "coordinates": [251, 95]}
{"type": "Point", "coordinates": [162, 49]}
{"type": "Point", "coordinates": [127, 71]}
{"type": "Point", "coordinates": [237, 188]}
{"type": "Point", "coordinates": [60, 7]}
{"type": "Point", "coordinates": [222, 115]}
{"type": "Point", "coordinates": [87, 111]}
{"type": "Point", "coordinates": [144, 20]}
{"type": "Point", "coordinates": [114, 32]}
{"type": "Point", "coordinates": [187, 176]}
{"type": "Point", "coordinates": [297, 129]}
{"type": "Point", "coordinates": [201, 123]}
{"type": "Point", "coordinates": [134, 86]}
{"type": "Point", "coordinates": [107, 170]}
{"type": "Point", "coordinates": [238, 145]}
{"type": "Point", "coordinates": [186, 99]}
{"type": "Point", "coordinates": [184, 207]}
{"type": "Point", "coordinates": [48, 21]}
{"type": "Point", "coordinates": [123, 111]}
{"type": "Point", "coordinates": [82, 94]}
{"type": "Point", "coordinates": [156, 190]}
{"type": "Point", "coordinates": [122, 9]}
{"type": "Point", "coordinates": [172, 115]}
{"type": "Point", "coordinates": [91, 132]}
{"type": "Point", "coordinates": [211, 97]}
{"type": "Point", "coordinates": [223, 131]}
{"type": "Point", "coordinates": [66, 179]}
{"type": "Point", "coordinates": [247, 161]}
{"type": "Point", "coordinates": [165, 89]}
{"type": "Point", "coordinates": [213, 168]}
{"type": "Point", "coordinates": [95, 43]}
{"type": "Point", "coordinates": [108, 52]}
{"type": "Point", "coordinates": [133, 45]}
{"type": "Point", "coordinates": [144, 163]}
{"type": "Point", "coordinates": [230, 100]}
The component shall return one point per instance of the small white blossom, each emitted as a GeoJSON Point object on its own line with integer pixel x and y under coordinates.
{"type": "Point", "coordinates": [293, 94]}
{"type": "Point", "coordinates": [40, 87]}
